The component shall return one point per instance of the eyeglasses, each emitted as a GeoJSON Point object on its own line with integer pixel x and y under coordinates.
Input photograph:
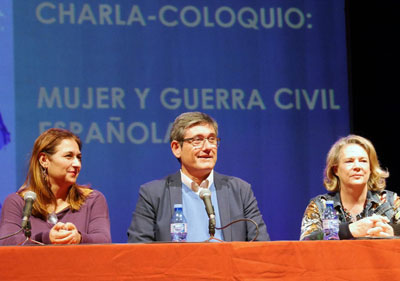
{"type": "Point", "coordinates": [198, 141]}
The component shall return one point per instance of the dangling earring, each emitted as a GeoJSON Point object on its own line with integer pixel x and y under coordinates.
{"type": "Point", "coordinates": [45, 175]}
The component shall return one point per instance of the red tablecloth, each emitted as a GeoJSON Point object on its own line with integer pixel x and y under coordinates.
{"type": "Point", "coordinates": [280, 260]}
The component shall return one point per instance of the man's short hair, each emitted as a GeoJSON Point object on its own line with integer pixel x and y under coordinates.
{"type": "Point", "coordinates": [187, 120]}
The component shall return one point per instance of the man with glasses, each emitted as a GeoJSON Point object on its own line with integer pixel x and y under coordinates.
{"type": "Point", "coordinates": [194, 142]}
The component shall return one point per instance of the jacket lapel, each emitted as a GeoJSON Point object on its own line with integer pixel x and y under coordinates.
{"type": "Point", "coordinates": [223, 204]}
{"type": "Point", "coordinates": [174, 184]}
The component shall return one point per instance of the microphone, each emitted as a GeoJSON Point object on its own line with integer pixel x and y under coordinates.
{"type": "Point", "coordinates": [29, 198]}
{"type": "Point", "coordinates": [205, 195]}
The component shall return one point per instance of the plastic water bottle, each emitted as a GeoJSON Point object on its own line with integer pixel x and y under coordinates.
{"type": "Point", "coordinates": [178, 225]}
{"type": "Point", "coordinates": [330, 222]}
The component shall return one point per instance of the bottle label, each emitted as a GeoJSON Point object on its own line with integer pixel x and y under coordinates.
{"type": "Point", "coordinates": [178, 227]}
{"type": "Point", "coordinates": [331, 229]}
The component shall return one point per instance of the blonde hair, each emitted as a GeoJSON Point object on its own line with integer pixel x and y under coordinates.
{"type": "Point", "coordinates": [36, 182]}
{"type": "Point", "coordinates": [377, 178]}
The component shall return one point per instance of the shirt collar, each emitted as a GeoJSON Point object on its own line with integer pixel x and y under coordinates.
{"type": "Point", "coordinates": [188, 181]}
{"type": "Point", "coordinates": [373, 197]}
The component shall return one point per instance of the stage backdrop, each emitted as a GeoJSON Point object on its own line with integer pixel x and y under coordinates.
{"type": "Point", "coordinates": [117, 73]}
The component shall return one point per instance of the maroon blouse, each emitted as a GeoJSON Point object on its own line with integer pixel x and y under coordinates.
{"type": "Point", "coordinates": [92, 221]}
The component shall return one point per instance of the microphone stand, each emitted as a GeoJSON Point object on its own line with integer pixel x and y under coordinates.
{"type": "Point", "coordinates": [31, 240]}
{"type": "Point", "coordinates": [211, 226]}
{"type": "Point", "coordinates": [28, 233]}
{"type": "Point", "coordinates": [27, 230]}
{"type": "Point", "coordinates": [211, 229]}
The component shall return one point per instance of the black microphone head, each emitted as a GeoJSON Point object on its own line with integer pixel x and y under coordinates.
{"type": "Point", "coordinates": [30, 195]}
{"type": "Point", "coordinates": [204, 192]}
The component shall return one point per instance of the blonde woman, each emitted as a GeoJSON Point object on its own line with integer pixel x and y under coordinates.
{"type": "Point", "coordinates": [356, 184]}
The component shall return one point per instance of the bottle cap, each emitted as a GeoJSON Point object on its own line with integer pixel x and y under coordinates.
{"type": "Point", "coordinates": [177, 206]}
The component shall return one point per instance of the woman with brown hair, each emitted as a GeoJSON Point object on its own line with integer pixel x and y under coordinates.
{"type": "Point", "coordinates": [63, 211]}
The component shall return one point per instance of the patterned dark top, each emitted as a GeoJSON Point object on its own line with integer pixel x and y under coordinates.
{"type": "Point", "coordinates": [385, 203]}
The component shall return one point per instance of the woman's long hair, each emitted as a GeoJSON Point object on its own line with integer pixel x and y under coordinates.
{"type": "Point", "coordinates": [36, 179]}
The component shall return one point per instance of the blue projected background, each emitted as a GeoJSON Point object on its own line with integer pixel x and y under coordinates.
{"type": "Point", "coordinates": [117, 73]}
{"type": "Point", "coordinates": [7, 119]}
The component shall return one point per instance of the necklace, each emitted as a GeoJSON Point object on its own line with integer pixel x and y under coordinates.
{"type": "Point", "coordinates": [350, 217]}
{"type": "Point", "coordinates": [52, 218]}
{"type": "Point", "coordinates": [353, 218]}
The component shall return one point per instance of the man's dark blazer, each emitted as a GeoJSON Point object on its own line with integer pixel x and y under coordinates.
{"type": "Point", "coordinates": [155, 206]}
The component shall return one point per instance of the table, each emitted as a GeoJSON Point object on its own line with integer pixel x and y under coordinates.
{"type": "Point", "coordinates": [277, 260]}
